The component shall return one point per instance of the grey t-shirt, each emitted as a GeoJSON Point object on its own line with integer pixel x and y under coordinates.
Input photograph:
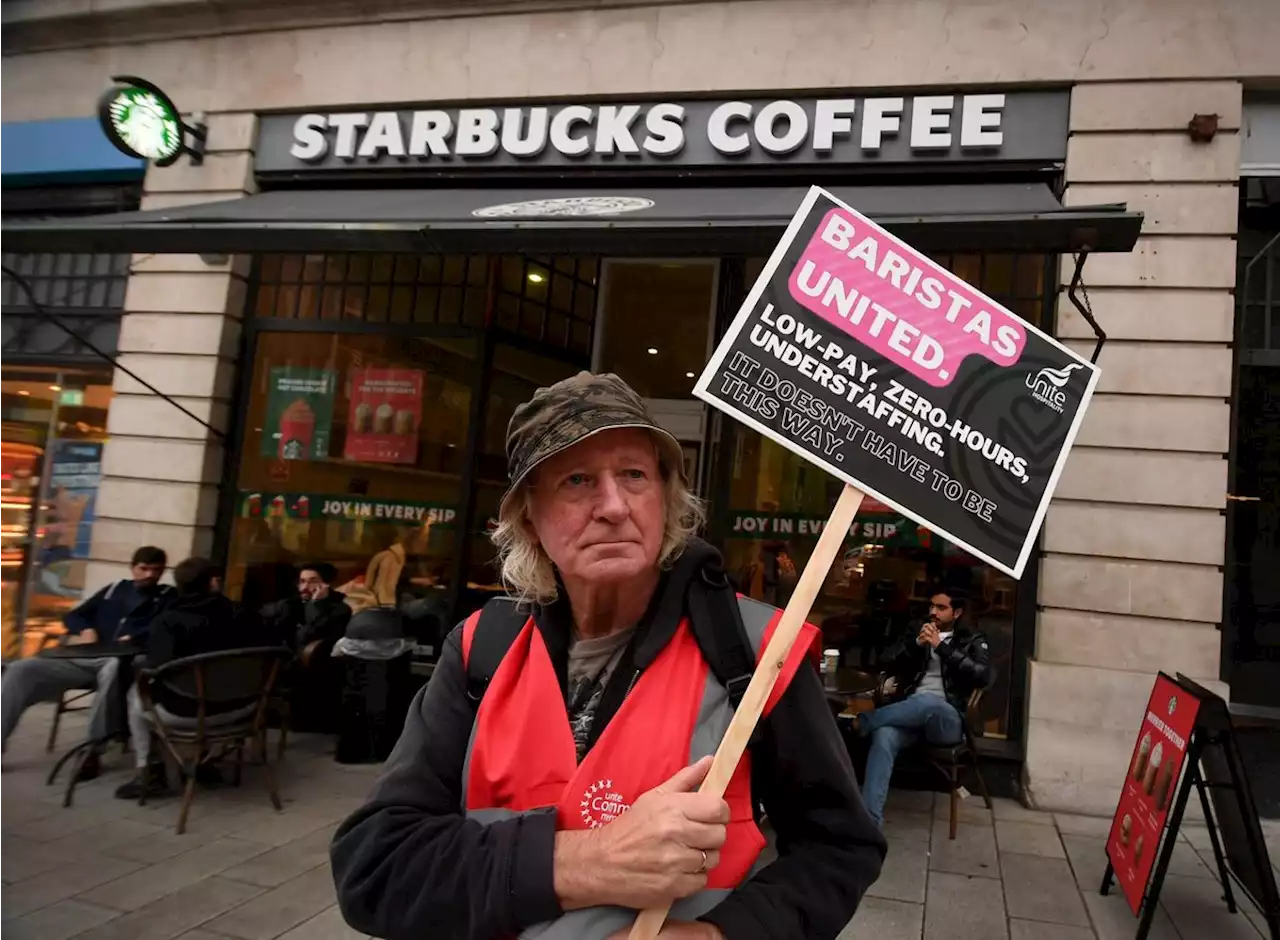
{"type": "Point", "coordinates": [932, 683]}
{"type": "Point", "coordinates": [591, 663]}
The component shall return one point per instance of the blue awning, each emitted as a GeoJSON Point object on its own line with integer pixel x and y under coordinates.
{"type": "Point", "coordinates": [67, 150]}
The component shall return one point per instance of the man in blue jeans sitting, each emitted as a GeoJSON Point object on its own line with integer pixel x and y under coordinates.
{"type": "Point", "coordinates": [932, 673]}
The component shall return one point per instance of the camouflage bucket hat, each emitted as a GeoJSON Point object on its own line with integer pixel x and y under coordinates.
{"type": "Point", "coordinates": [561, 415]}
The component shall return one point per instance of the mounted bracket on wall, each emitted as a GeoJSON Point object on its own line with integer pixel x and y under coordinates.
{"type": "Point", "coordinates": [142, 121]}
{"type": "Point", "coordinates": [1078, 294]}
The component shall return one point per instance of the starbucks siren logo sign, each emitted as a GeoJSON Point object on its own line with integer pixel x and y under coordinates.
{"type": "Point", "coordinates": [141, 121]}
{"type": "Point", "coordinates": [146, 124]}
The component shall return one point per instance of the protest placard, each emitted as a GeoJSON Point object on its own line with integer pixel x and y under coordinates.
{"type": "Point", "coordinates": [880, 366]}
{"type": "Point", "coordinates": [875, 363]}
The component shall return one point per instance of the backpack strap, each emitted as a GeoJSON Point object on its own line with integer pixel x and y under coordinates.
{"type": "Point", "coordinates": [487, 635]}
{"type": "Point", "coordinates": [717, 627]}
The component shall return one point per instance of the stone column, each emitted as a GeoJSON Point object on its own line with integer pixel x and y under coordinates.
{"type": "Point", "coordinates": [1131, 578]}
{"type": "Point", "coordinates": [180, 332]}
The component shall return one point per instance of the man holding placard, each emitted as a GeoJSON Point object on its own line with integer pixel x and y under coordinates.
{"type": "Point", "coordinates": [545, 781]}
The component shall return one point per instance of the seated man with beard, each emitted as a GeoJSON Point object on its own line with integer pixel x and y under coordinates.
{"type": "Point", "coordinates": [310, 623]}
{"type": "Point", "coordinates": [932, 672]}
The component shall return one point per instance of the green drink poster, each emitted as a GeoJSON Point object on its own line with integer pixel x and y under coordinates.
{"type": "Point", "coordinates": [299, 413]}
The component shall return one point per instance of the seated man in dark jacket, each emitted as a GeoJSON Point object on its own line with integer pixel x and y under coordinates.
{"type": "Point", "coordinates": [118, 613]}
{"type": "Point", "coordinates": [316, 613]}
{"type": "Point", "coordinates": [310, 623]}
{"type": "Point", "coordinates": [198, 620]}
{"type": "Point", "coordinates": [932, 673]}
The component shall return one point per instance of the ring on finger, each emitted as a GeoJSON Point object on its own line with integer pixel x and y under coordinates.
{"type": "Point", "coordinates": [702, 869]}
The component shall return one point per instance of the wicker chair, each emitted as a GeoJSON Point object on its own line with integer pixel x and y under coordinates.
{"type": "Point", "coordinates": [229, 692]}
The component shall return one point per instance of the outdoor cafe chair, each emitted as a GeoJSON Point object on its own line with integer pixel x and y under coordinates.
{"type": "Point", "coordinates": [229, 692]}
{"type": "Point", "coordinates": [949, 759]}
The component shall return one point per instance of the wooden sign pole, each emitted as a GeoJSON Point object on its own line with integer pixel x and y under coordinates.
{"type": "Point", "coordinates": [734, 743]}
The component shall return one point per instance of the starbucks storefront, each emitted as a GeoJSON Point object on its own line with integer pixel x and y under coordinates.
{"type": "Point", "coordinates": [417, 273]}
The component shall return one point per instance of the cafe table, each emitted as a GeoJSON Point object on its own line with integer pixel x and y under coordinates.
{"type": "Point", "coordinates": [78, 753]}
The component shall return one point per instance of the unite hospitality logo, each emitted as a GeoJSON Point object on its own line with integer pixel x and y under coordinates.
{"type": "Point", "coordinates": [601, 804]}
{"type": "Point", "coordinates": [1047, 386]}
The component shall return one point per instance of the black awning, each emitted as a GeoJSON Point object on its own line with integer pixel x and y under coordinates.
{"type": "Point", "coordinates": [699, 221]}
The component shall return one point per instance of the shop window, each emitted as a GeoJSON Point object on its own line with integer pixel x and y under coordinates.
{"type": "Point", "coordinates": [54, 429]}
{"type": "Point", "coordinates": [550, 300]}
{"type": "Point", "coordinates": [67, 280]}
{"type": "Point", "coordinates": [655, 324]}
{"type": "Point", "coordinates": [354, 446]}
{"type": "Point", "coordinates": [776, 502]}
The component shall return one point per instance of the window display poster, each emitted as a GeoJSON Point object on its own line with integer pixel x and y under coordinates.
{"type": "Point", "coordinates": [386, 409]}
{"type": "Point", "coordinates": [75, 472]}
{"type": "Point", "coordinates": [1149, 786]}
{"type": "Point", "coordinates": [299, 413]}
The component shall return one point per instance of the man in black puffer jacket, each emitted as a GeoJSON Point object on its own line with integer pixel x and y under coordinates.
{"type": "Point", "coordinates": [200, 619]}
{"type": "Point", "coordinates": [932, 672]}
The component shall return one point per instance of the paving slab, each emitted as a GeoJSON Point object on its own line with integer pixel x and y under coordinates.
{"type": "Point", "coordinates": [1027, 838]}
{"type": "Point", "coordinates": [1088, 859]}
{"type": "Point", "coordinates": [327, 925]}
{"type": "Point", "coordinates": [1196, 909]}
{"type": "Point", "coordinates": [903, 876]}
{"type": "Point", "coordinates": [1042, 889]}
{"type": "Point", "coordinates": [972, 810]}
{"type": "Point", "coordinates": [68, 918]}
{"type": "Point", "coordinates": [1095, 827]}
{"type": "Point", "coordinates": [153, 882]}
{"type": "Point", "coordinates": [902, 826]}
{"type": "Point", "coordinates": [281, 909]}
{"type": "Point", "coordinates": [176, 913]}
{"type": "Point", "coordinates": [69, 880]}
{"type": "Point", "coordinates": [972, 852]}
{"type": "Point", "coordinates": [964, 908]}
{"type": "Point", "coordinates": [286, 862]}
{"type": "Point", "coordinates": [909, 801]}
{"type": "Point", "coordinates": [1036, 930]}
{"type": "Point", "coordinates": [1112, 919]}
{"type": "Point", "coordinates": [1014, 811]}
{"type": "Point", "coordinates": [1186, 861]}
{"type": "Point", "coordinates": [883, 919]}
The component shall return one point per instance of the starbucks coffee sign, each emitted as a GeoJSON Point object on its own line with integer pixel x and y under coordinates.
{"type": "Point", "coordinates": [1028, 126]}
{"type": "Point", "coordinates": [142, 121]}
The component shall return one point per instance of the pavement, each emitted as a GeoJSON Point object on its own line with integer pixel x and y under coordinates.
{"type": "Point", "coordinates": [106, 869]}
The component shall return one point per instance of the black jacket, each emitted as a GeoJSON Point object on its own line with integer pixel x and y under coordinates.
{"type": "Point", "coordinates": [966, 664]}
{"type": "Point", "coordinates": [409, 864]}
{"type": "Point", "coordinates": [192, 624]}
{"type": "Point", "coordinates": [119, 609]}
{"type": "Point", "coordinates": [296, 624]}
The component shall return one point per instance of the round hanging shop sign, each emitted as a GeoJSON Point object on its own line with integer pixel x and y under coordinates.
{"type": "Point", "coordinates": [569, 206]}
{"type": "Point", "coordinates": [140, 120]}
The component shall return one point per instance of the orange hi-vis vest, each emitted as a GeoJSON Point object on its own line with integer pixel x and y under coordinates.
{"type": "Point", "coordinates": [521, 757]}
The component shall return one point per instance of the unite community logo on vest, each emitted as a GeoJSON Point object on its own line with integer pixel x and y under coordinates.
{"type": "Point", "coordinates": [602, 804]}
{"type": "Point", "coordinates": [1047, 385]}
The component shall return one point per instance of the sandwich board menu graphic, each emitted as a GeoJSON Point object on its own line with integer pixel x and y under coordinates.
{"type": "Point", "coordinates": [870, 360]}
{"type": "Point", "coordinates": [1150, 785]}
